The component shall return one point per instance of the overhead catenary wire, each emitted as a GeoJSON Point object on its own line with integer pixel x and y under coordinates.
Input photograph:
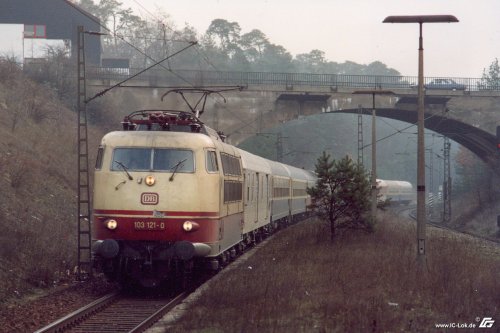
{"type": "Point", "coordinates": [113, 33]}
{"type": "Point", "coordinates": [154, 16]}
{"type": "Point", "coordinates": [397, 132]}
{"type": "Point", "coordinates": [154, 38]}
{"type": "Point", "coordinates": [159, 63]}
{"type": "Point", "coordinates": [207, 60]}
{"type": "Point", "coordinates": [99, 94]}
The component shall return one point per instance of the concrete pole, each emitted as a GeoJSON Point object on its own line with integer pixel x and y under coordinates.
{"type": "Point", "coordinates": [421, 217]}
{"type": "Point", "coordinates": [374, 161]}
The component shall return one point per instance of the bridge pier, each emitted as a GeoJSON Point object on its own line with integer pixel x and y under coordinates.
{"type": "Point", "coordinates": [302, 98]}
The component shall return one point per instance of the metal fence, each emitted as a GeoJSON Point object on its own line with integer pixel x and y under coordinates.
{"type": "Point", "coordinates": [204, 78]}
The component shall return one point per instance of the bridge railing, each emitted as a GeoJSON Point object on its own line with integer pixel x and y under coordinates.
{"type": "Point", "coordinates": [246, 79]}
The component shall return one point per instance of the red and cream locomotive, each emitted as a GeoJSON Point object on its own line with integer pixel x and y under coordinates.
{"type": "Point", "coordinates": [170, 193]}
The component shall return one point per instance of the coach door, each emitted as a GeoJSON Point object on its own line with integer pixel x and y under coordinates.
{"type": "Point", "coordinates": [251, 201]}
{"type": "Point", "coordinates": [257, 189]}
{"type": "Point", "coordinates": [262, 198]}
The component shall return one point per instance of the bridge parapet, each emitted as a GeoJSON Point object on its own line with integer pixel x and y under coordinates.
{"type": "Point", "coordinates": [285, 81]}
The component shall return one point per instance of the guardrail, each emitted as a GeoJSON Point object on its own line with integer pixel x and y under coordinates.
{"type": "Point", "coordinates": [200, 78]}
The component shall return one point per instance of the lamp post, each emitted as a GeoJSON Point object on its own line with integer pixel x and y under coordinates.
{"type": "Point", "coordinates": [421, 218]}
{"type": "Point", "coordinates": [374, 145]}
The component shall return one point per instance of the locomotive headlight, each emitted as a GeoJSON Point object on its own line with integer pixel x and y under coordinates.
{"type": "Point", "coordinates": [190, 226]}
{"type": "Point", "coordinates": [111, 224]}
{"type": "Point", "coordinates": [150, 180]}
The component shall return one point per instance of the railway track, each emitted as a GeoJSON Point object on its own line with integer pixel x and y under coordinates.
{"type": "Point", "coordinates": [411, 212]}
{"type": "Point", "coordinates": [119, 312]}
{"type": "Point", "coordinates": [116, 312]}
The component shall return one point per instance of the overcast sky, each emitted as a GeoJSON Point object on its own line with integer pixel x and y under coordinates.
{"type": "Point", "coordinates": [353, 29]}
{"type": "Point", "coordinates": [343, 29]}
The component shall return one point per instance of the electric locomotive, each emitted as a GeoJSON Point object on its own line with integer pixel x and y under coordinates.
{"type": "Point", "coordinates": [169, 193]}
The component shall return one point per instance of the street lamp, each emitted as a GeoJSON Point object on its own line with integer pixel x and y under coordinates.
{"type": "Point", "coordinates": [421, 218]}
{"type": "Point", "coordinates": [374, 145]}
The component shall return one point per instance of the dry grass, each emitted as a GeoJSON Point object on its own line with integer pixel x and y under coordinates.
{"type": "Point", "coordinates": [300, 282]}
{"type": "Point", "coordinates": [37, 184]}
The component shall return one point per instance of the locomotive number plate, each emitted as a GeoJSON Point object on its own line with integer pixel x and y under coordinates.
{"type": "Point", "coordinates": [149, 225]}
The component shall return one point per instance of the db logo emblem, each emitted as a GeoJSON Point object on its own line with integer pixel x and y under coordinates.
{"type": "Point", "coordinates": [148, 198]}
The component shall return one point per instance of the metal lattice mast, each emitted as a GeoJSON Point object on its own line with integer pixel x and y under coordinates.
{"type": "Point", "coordinates": [84, 204]}
{"type": "Point", "coordinates": [279, 147]}
{"type": "Point", "coordinates": [360, 136]}
{"type": "Point", "coordinates": [446, 182]}
{"type": "Point", "coordinates": [431, 171]}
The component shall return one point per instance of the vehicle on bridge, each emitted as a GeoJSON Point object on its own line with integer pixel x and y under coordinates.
{"type": "Point", "coordinates": [444, 84]}
{"type": "Point", "coordinates": [171, 195]}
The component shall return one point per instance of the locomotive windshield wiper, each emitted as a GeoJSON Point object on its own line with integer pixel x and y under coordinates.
{"type": "Point", "coordinates": [124, 169]}
{"type": "Point", "coordinates": [175, 167]}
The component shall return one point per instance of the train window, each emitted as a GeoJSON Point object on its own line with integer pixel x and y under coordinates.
{"type": "Point", "coordinates": [170, 159]}
{"type": "Point", "coordinates": [137, 159]}
{"type": "Point", "coordinates": [147, 159]}
{"type": "Point", "coordinates": [281, 188]}
{"type": "Point", "coordinates": [98, 160]}
{"type": "Point", "coordinates": [212, 165]}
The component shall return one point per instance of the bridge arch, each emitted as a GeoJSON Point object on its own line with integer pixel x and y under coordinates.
{"type": "Point", "coordinates": [480, 142]}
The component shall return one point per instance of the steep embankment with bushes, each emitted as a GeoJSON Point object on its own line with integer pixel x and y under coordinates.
{"type": "Point", "coordinates": [38, 171]}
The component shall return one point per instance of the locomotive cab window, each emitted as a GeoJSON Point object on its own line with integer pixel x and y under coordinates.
{"type": "Point", "coordinates": [98, 161]}
{"type": "Point", "coordinates": [212, 165]}
{"type": "Point", "coordinates": [173, 159]}
{"type": "Point", "coordinates": [133, 159]}
{"type": "Point", "coordinates": [147, 159]}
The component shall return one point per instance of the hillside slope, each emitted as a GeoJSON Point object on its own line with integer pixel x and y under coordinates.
{"type": "Point", "coordinates": [37, 183]}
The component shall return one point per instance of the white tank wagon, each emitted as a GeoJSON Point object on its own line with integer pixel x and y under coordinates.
{"type": "Point", "coordinates": [396, 191]}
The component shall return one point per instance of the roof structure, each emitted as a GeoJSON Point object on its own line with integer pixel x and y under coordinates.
{"type": "Point", "coordinates": [58, 20]}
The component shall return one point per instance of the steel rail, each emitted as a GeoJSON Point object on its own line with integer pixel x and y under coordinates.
{"type": "Point", "coordinates": [72, 321]}
{"type": "Point", "coordinates": [495, 242]}
{"type": "Point", "coordinates": [148, 322]}
{"type": "Point", "coordinates": [68, 320]}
